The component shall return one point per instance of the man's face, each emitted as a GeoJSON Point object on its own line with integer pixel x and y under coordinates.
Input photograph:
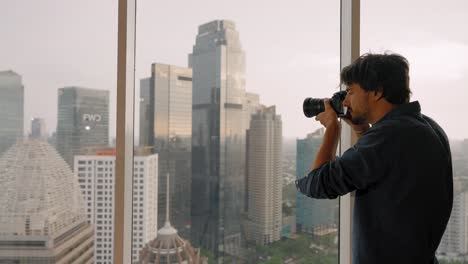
{"type": "Point", "coordinates": [357, 102]}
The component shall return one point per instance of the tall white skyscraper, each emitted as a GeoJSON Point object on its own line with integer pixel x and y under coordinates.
{"type": "Point", "coordinates": [264, 179]}
{"type": "Point", "coordinates": [11, 109]}
{"type": "Point", "coordinates": [96, 176]}
{"type": "Point", "coordinates": [455, 239]}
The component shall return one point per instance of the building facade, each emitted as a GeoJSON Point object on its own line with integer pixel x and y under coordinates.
{"type": "Point", "coordinates": [146, 137]}
{"type": "Point", "coordinates": [11, 109]}
{"type": "Point", "coordinates": [38, 128]}
{"type": "Point", "coordinates": [313, 215]}
{"type": "Point", "coordinates": [166, 125]}
{"type": "Point", "coordinates": [455, 239]}
{"type": "Point", "coordinates": [218, 139]}
{"type": "Point", "coordinates": [83, 121]}
{"type": "Point", "coordinates": [96, 177]}
{"type": "Point", "coordinates": [264, 177]}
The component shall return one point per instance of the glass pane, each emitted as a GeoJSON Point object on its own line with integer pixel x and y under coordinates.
{"type": "Point", "coordinates": [57, 109]}
{"type": "Point", "coordinates": [219, 90]}
{"type": "Point", "coordinates": [432, 36]}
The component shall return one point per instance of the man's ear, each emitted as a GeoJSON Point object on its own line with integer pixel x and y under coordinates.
{"type": "Point", "coordinates": [378, 94]}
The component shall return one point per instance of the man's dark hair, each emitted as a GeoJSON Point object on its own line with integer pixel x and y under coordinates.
{"type": "Point", "coordinates": [386, 72]}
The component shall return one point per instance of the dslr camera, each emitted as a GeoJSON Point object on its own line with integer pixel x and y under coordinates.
{"type": "Point", "coordinates": [315, 106]}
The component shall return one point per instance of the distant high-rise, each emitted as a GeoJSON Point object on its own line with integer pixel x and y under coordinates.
{"type": "Point", "coordinates": [38, 128]}
{"type": "Point", "coordinates": [312, 215]}
{"type": "Point", "coordinates": [11, 109]}
{"type": "Point", "coordinates": [252, 105]}
{"type": "Point", "coordinates": [264, 177]}
{"type": "Point", "coordinates": [455, 239]}
{"type": "Point", "coordinates": [96, 176]}
{"type": "Point", "coordinates": [218, 139]}
{"type": "Point", "coordinates": [166, 125]}
{"type": "Point", "coordinates": [146, 137]}
{"type": "Point", "coordinates": [42, 216]}
{"type": "Point", "coordinates": [83, 121]}
{"type": "Point", "coordinates": [465, 146]}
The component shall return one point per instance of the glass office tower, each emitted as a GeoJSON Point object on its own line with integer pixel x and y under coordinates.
{"type": "Point", "coordinates": [218, 139]}
{"type": "Point", "coordinates": [166, 127]}
{"type": "Point", "coordinates": [83, 121]}
{"type": "Point", "coordinates": [11, 109]}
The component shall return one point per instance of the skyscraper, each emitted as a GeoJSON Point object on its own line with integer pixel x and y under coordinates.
{"type": "Point", "coordinates": [11, 109]}
{"type": "Point", "coordinates": [252, 105]}
{"type": "Point", "coordinates": [166, 125]}
{"type": "Point", "coordinates": [218, 138]}
{"type": "Point", "coordinates": [455, 239]}
{"type": "Point", "coordinates": [83, 120]}
{"type": "Point", "coordinates": [146, 137]}
{"type": "Point", "coordinates": [38, 128]}
{"type": "Point", "coordinates": [96, 176]}
{"type": "Point", "coordinates": [264, 176]}
{"type": "Point", "coordinates": [312, 215]}
{"type": "Point", "coordinates": [42, 217]}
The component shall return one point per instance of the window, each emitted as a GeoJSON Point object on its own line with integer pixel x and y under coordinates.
{"type": "Point", "coordinates": [70, 61]}
{"type": "Point", "coordinates": [250, 71]}
{"type": "Point", "coordinates": [437, 80]}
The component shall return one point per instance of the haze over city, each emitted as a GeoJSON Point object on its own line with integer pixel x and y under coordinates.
{"type": "Point", "coordinates": [293, 48]}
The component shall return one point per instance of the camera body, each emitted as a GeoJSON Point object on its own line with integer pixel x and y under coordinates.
{"type": "Point", "coordinates": [314, 106]}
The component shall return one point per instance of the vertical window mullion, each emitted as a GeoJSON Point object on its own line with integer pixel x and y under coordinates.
{"type": "Point", "coordinates": [349, 51]}
{"type": "Point", "coordinates": [125, 115]}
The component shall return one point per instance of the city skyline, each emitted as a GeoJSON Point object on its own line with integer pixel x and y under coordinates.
{"type": "Point", "coordinates": [289, 62]}
{"type": "Point", "coordinates": [280, 62]}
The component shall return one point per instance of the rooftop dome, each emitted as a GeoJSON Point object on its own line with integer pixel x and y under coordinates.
{"type": "Point", "coordinates": [39, 194]}
{"type": "Point", "coordinates": [168, 247]}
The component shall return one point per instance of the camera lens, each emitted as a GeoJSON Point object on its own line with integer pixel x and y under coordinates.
{"type": "Point", "coordinates": [313, 107]}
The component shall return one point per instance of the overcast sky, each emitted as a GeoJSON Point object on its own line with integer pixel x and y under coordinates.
{"type": "Point", "coordinates": [292, 49]}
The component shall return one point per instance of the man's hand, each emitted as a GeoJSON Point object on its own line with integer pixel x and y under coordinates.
{"type": "Point", "coordinates": [327, 150]}
{"type": "Point", "coordinates": [328, 117]}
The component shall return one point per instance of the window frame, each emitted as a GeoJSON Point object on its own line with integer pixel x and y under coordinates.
{"type": "Point", "coordinates": [349, 50]}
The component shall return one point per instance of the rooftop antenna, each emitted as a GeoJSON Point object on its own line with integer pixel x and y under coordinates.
{"type": "Point", "coordinates": [167, 199]}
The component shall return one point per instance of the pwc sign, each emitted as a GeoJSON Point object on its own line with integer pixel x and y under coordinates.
{"type": "Point", "coordinates": [92, 117]}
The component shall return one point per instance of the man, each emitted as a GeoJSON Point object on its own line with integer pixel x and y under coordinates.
{"type": "Point", "coordinates": [400, 167]}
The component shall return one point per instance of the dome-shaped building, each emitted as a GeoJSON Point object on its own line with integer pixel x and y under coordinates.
{"type": "Point", "coordinates": [169, 247]}
{"type": "Point", "coordinates": [42, 215]}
